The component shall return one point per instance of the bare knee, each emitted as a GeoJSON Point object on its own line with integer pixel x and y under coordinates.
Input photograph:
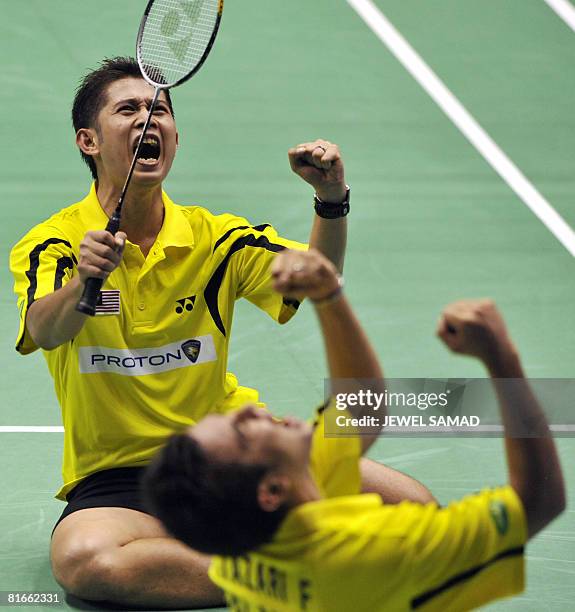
{"type": "Point", "coordinates": [83, 568]}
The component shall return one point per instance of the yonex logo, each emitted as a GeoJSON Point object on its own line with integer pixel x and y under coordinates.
{"type": "Point", "coordinates": [140, 362]}
{"type": "Point", "coordinates": [172, 22]}
{"type": "Point", "coordinates": [185, 304]}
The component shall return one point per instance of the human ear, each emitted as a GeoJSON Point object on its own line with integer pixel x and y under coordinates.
{"type": "Point", "coordinates": [273, 492]}
{"type": "Point", "coordinates": [87, 141]}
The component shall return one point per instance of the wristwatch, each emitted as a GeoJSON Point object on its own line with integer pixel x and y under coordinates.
{"type": "Point", "coordinates": [327, 210]}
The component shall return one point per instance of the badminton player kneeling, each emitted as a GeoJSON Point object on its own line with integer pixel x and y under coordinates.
{"type": "Point", "coordinates": [279, 503]}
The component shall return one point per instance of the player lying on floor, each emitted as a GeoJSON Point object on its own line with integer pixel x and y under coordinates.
{"type": "Point", "coordinates": [243, 482]}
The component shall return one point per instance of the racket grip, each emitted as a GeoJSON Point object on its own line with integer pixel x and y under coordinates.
{"type": "Point", "coordinates": [89, 299]}
{"type": "Point", "coordinates": [114, 223]}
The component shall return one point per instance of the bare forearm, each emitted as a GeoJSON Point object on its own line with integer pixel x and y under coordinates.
{"type": "Point", "coordinates": [329, 236]}
{"type": "Point", "coordinates": [53, 320]}
{"type": "Point", "coordinates": [533, 462]}
{"type": "Point", "coordinates": [349, 352]}
{"type": "Point", "coordinates": [353, 364]}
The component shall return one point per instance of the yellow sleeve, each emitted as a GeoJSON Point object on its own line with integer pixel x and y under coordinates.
{"type": "Point", "coordinates": [41, 262]}
{"type": "Point", "coordinates": [334, 462]}
{"type": "Point", "coordinates": [469, 553]}
{"type": "Point", "coordinates": [260, 246]}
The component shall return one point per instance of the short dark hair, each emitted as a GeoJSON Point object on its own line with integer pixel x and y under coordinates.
{"type": "Point", "coordinates": [91, 95]}
{"type": "Point", "coordinates": [210, 506]}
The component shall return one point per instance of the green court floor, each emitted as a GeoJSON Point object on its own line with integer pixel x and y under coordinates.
{"type": "Point", "coordinates": [431, 221]}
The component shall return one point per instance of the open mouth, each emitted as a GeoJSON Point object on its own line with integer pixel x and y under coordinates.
{"type": "Point", "coordinates": [149, 151]}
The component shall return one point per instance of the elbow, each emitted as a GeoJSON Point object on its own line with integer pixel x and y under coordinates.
{"type": "Point", "coordinates": [41, 331]}
{"type": "Point", "coordinates": [48, 346]}
{"type": "Point", "coordinates": [542, 506]}
{"type": "Point", "coordinates": [557, 498]}
{"type": "Point", "coordinates": [41, 340]}
{"type": "Point", "coordinates": [539, 518]}
{"type": "Point", "coordinates": [43, 343]}
{"type": "Point", "coordinates": [560, 504]}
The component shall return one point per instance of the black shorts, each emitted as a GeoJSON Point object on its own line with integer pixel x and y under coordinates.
{"type": "Point", "coordinates": [118, 488]}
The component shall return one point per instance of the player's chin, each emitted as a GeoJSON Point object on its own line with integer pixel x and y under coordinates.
{"type": "Point", "coordinates": [151, 171]}
{"type": "Point", "coordinates": [306, 435]}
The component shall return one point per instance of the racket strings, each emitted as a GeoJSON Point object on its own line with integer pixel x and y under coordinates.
{"type": "Point", "coordinates": [175, 38]}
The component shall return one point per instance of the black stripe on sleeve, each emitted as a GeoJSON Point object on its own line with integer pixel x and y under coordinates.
{"type": "Point", "coordinates": [259, 228]}
{"type": "Point", "coordinates": [212, 289]}
{"type": "Point", "coordinates": [35, 262]}
{"type": "Point", "coordinates": [295, 304]}
{"type": "Point", "coordinates": [423, 599]}
{"type": "Point", "coordinates": [64, 263]}
{"type": "Point", "coordinates": [319, 411]}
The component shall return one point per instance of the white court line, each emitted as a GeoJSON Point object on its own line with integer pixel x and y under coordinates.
{"type": "Point", "coordinates": [466, 123]}
{"type": "Point", "coordinates": [31, 429]}
{"type": "Point", "coordinates": [565, 10]}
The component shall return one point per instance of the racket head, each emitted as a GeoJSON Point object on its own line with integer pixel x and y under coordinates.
{"type": "Point", "coordinates": [175, 38]}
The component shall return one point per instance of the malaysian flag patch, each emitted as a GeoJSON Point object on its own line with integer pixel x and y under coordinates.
{"type": "Point", "coordinates": [108, 302]}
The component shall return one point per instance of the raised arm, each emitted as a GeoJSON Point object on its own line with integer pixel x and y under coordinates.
{"type": "Point", "coordinates": [350, 356]}
{"type": "Point", "coordinates": [476, 328]}
{"type": "Point", "coordinates": [319, 163]}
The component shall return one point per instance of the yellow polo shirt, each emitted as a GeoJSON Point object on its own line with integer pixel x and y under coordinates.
{"type": "Point", "coordinates": [153, 359]}
{"type": "Point", "coordinates": [353, 553]}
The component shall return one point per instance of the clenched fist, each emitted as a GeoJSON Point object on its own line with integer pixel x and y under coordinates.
{"type": "Point", "coordinates": [100, 254]}
{"type": "Point", "coordinates": [319, 163]}
{"type": "Point", "coordinates": [300, 274]}
{"type": "Point", "coordinates": [476, 328]}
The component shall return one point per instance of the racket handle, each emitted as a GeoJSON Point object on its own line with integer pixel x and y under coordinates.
{"type": "Point", "coordinates": [114, 223]}
{"type": "Point", "coordinates": [89, 299]}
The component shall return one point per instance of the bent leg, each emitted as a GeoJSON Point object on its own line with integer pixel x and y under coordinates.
{"type": "Point", "coordinates": [125, 557]}
{"type": "Point", "coordinates": [392, 486]}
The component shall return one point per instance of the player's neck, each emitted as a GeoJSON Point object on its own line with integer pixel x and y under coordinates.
{"type": "Point", "coordinates": [305, 490]}
{"type": "Point", "coordinates": [142, 212]}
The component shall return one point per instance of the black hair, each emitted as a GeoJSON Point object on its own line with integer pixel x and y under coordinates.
{"type": "Point", "coordinates": [91, 95]}
{"type": "Point", "coordinates": [210, 506]}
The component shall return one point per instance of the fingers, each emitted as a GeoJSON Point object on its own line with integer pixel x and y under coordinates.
{"type": "Point", "coordinates": [298, 274]}
{"type": "Point", "coordinates": [120, 240]}
{"type": "Point", "coordinates": [100, 254]}
{"type": "Point", "coordinates": [448, 331]}
{"type": "Point", "coordinates": [455, 323]}
{"type": "Point", "coordinates": [284, 269]}
{"type": "Point", "coordinates": [319, 163]}
{"type": "Point", "coordinates": [320, 153]}
{"type": "Point", "coordinates": [474, 327]}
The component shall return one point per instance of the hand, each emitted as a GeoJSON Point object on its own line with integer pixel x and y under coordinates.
{"type": "Point", "coordinates": [100, 254]}
{"type": "Point", "coordinates": [300, 274]}
{"type": "Point", "coordinates": [319, 164]}
{"type": "Point", "coordinates": [476, 328]}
